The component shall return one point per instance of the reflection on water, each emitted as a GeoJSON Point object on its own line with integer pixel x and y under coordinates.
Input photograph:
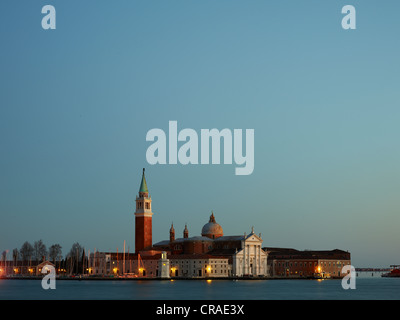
{"type": "Point", "coordinates": [366, 288]}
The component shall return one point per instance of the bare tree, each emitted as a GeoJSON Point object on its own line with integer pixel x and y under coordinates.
{"type": "Point", "coordinates": [26, 251]}
{"type": "Point", "coordinates": [55, 252]}
{"type": "Point", "coordinates": [76, 250]}
{"type": "Point", "coordinates": [39, 250]}
{"type": "Point", "coordinates": [74, 255]}
{"type": "Point", "coordinates": [15, 255]}
{"type": "Point", "coordinates": [4, 256]}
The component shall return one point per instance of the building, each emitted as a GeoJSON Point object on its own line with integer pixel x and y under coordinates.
{"type": "Point", "coordinates": [129, 264]}
{"type": "Point", "coordinates": [251, 259]}
{"type": "Point", "coordinates": [200, 266]}
{"type": "Point", "coordinates": [244, 253]}
{"type": "Point", "coordinates": [212, 254]}
{"type": "Point", "coordinates": [164, 271]}
{"type": "Point", "coordinates": [287, 262]}
{"type": "Point", "coordinates": [238, 256]}
{"type": "Point", "coordinates": [160, 265]}
{"type": "Point", "coordinates": [25, 268]}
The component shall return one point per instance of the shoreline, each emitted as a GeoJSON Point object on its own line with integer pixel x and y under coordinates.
{"type": "Point", "coordinates": [77, 278]}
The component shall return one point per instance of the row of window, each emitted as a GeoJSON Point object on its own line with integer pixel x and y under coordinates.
{"type": "Point", "coordinates": [301, 273]}
{"type": "Point", "coordinates": [205, 262]}
{"type": "Point", "coordinates": [216, 271]}
{"type": "Point", "coordinates": [215, 267]}
{"type": "Point", "coordinates": [339, 264]}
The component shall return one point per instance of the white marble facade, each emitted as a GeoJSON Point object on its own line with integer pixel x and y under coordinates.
{"type": "Point", "coordinates": [250, 260]}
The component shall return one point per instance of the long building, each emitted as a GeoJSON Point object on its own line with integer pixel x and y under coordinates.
{"type": "Point", "coordinates": [292, 263]}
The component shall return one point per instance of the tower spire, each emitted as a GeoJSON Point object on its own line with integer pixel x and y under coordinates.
{"type": "Point", "coordinates": [143, 185]}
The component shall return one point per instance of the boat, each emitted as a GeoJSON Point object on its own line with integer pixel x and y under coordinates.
{"type": "Point", "coordinates": [394, 272]}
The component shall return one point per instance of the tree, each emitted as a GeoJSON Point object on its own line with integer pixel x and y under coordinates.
{"type": "Point", "coordinates": [4, 256]}
{"type": "Point", "coordinates": [76, 251]}
{"type": "Point", "coordinates": [26, 251]}
{"type": "Point", "coordinates": [15, 254]}
{"type": "Point", "coordinates": [84, 262]}
{"type": "Point", "coordinates": [74, 255]}
{"type": "Point", "coordinates": [55, 252]}
{"type": "Point", "coordinates": [39, 250]}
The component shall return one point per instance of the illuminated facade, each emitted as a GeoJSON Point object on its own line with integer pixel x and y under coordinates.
{"type": "Point", "coordinates": [251, 259]}
{"type": "Point", "coordinates": [243, 253]}
{"type": "Point", "coordinates": [128, 264]}
{"type": "Point", "coordinates": [286, 262]}
{"type": "Point", "coordinates": [200, 266]}
{"type": "Point", "coordinates": [25, 268]}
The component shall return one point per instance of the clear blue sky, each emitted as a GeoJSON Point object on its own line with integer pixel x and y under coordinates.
{"type": "Point", "coordinates": [76, 104]}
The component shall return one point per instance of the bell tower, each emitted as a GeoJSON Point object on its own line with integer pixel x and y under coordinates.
{"type": "Point", "coordinates": [172, 234]}
{"type": "Point", "coordinates": [185, 232]}
{"type": "Point", "coordinates": [143, 218]}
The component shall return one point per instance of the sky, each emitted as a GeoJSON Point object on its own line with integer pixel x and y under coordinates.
{"type": "Point", "coordinates": [77, 102]}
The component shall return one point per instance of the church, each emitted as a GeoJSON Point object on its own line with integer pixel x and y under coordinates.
{"type": "Point", "coordinates": [210, 254]}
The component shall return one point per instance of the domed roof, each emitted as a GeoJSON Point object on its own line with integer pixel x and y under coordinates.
{"type": "Point", "coordinates": [212, 229]}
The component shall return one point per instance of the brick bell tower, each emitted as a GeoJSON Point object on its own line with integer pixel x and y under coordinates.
{"type": "Point", "coordinates": [143, 218]}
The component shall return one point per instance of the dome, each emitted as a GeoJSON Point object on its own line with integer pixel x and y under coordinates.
{"type": "Point", "coordinates": [212, 229]}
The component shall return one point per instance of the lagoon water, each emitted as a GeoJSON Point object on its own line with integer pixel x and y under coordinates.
{"type": "Point", "coordinates": [366, 288]}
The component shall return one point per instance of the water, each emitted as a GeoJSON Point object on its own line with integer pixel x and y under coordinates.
{"type": "Point", "coordinates": [366, 288]}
